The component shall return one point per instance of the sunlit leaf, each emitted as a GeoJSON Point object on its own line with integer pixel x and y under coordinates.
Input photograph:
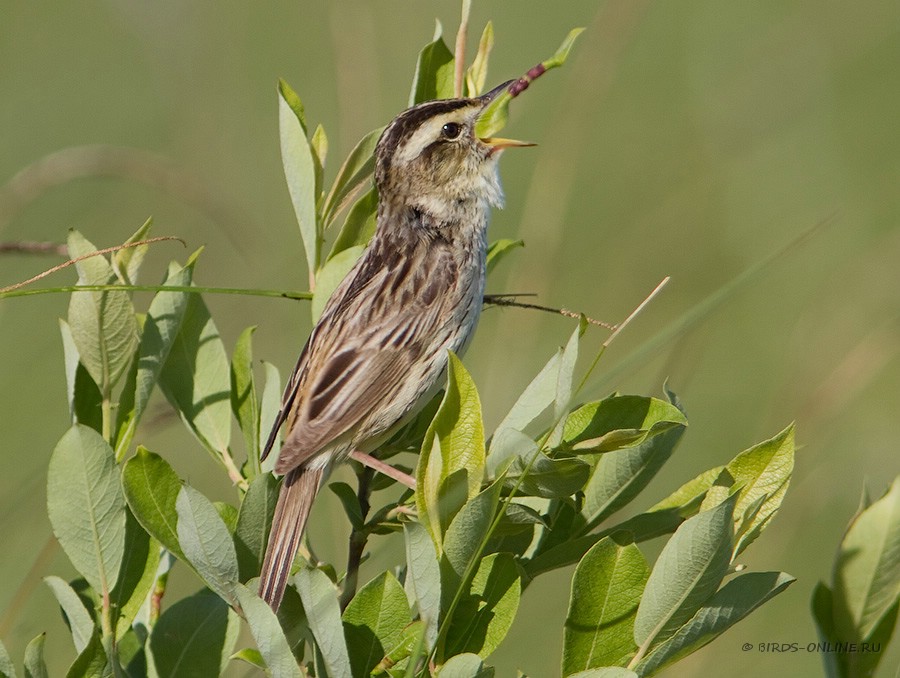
{"type": "Point", "coordinates": [359, 226]}
{"type": "Point", "coordinates": [434, 74]}
{"type": "Point", "coordinates": [137, 576]}
{"type": "Point", "coordinates": [253, 524]}
{"type": "Point", "coordinates": [329, 277]}
{"type": "Point", "coordinates": [374, 622]}
{"type": "Point", "coordinates": [267, 632]}
{"type": "Point", "coordinates": [127, 261]}
{"type": "Point", "coordinates": [323, 613]}
{"type": "Point", "coordinates": [356, 170]}
{"type": "Point", "coordinates": [476, 75]}
{"type": "Point", "coordinates": [423, 577]}
{"type": "Point", "coordinates": [81, 625]}
{"type": "Point", "coordinates": [151, 489]}
{"type": "Point", "coordinates": [606, 591]}
{"type": "Point", "coordinates": [498, 251]}
{"type": "Point", "coordinates": [86, 506]}
{"type": "Point", "coordinates": [244, 401]}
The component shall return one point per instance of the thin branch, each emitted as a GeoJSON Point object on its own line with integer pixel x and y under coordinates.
{"type": "Point", "coordinates": [189, 289]}
{"type": "Point", "coordinates": [622, 325]}
{"type": "Point", "coordinates": [384, 469]}
{"type": "Point", "coordinates": [106, 250]}
{"type": "Point", "coordinates": [504, 300]}
{"type": "Point", "coordinates": [358, 537]}
{"type": "Point", "coordinates": [34, 247]}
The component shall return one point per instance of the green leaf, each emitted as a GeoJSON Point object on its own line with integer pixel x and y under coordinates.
{"type": "Point", "coordinates": [329, 277]}
{"type": "Point", "coordinates": [434, 74]}
{"type": "Point", "coordinates": [206, 542]}
{"type": "Point", "coordinates": [251, 656]}
{"type": "Point", "coordinates": [244, 402]}
{"type": "Point", "coordinates": [619, 421]}
{"type": "Point", "coordinates": [86, 507]}
{"type": "Point", "coordinates": [320, 602]}
{"type": "Point", "coordinates": [499, 249]}
{"type": "Point", "coordinates": [84, 396]}
{"type": "Point", "coordinates": [195, 636]}
{"type": "Point", "coordinates": [254, 521]}
{"type": "Point", "coordinates": [620, 475]}
{"type": "Point", "coordinates": [374, 622]}
{"type": "Point", "coordinates": [267, 633]}
{"type": "Point", "coordinates": [762, 473]}
{"type": "Point", "coordinates": [195, 378]}
{"type": "Point", "coordinates": [465, 666]}
{"type": "Point", "coordinates": [299, 171]}
{"type": "Point", "coordinates": [866, 577]}
{"type": "Point", "coordinates": [7, 668]}
{"type": "Point", "coordinates": [494, 117]}
{"type": "Point", "coordinates": [536, 398]}
{"type": "Point", "coordinates": [640, 528]}
{"type": "Point", "coordinates": [423, 577]}
{"type": "Point", "coordinates": [161, 327]}
{"type": "Point", "coordinates": [411, 641]}
{"type": "Point", "coordinates": [485, 614]}
{"type": "Point", "coordinates": [269, 406]}
{"type": "Point", "coordinates": [34, 658]}
{"type": "Point", "coordinates": [228, 514]}
{"type": "Point", "coordinates": [548, 478]}
{"type": "Point", "coordinates": [451, 465]}
{"type": "Point", "coordinates": [103, 324]}
{"type": "Point", "coordinates": [688, 496]}
{"type": "Point", "coordinates": [356, 170]}
{"type": "Point", "coordinates": [78, 618]}
{"type": "Point", "coordinates": [476, 75]}
{"type": "Point", "coordinates": [734, 601]}
{"type": "Point", "coordinates": [319, 145]}
{"type": "Point", "coordinates": [564, 384]}
{"type": "Point", "coordinates": [137, 576]}
{"type": "Point", "coordinates": [91, 661]}
{"type": "Point", "coordinates": [127, 261]}
{"type": "Point", "coordinates": [151, 490]}
{"type": "Point", "coordinates": [686, 574]}
{"type": "Point", "coordinates": [350, 502]}
{"type": "Point", "coordinates": [466, 534]}
{"type": "Point", "coordinates": [359, 226]}
{"type": "Point", "coordinates": [606, 591]}
{"type": "Point", "coordinates": [605, 672]}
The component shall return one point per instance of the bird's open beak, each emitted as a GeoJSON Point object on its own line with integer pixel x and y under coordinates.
{"type": "Point", "coordinates": [497, 143]}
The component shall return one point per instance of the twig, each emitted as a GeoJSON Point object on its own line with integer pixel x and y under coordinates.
{"type": "Point", "coordinates": [622, 325]}
{"type": "Point", "coordinates": [34, 247]}
{"type": "Point", "coordinates": [384, 469]}
{"type": "Point", "coordinates": [358, 537]}
{"type": "Point", "coordinates": [106, 250]}
{"type": "Point", "coordinates": [460, 49]}
{"type": "Point", "coordinates": [504, 300]}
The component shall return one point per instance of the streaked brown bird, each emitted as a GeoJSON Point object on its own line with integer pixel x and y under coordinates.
{"type": "Point", "coordinates": [379, 349]}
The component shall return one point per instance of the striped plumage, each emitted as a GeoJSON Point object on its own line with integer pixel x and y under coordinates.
{"type": "Point", "coordinates": [379, 349]}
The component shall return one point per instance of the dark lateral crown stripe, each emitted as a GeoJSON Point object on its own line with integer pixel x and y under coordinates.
{"type": "Point", "coordinates": [412, 118]}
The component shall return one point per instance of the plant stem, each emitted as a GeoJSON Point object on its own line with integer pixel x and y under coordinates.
{"type": "Point", "coordinates": [358, 537]}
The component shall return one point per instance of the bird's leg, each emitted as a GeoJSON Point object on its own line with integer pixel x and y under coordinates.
{"type": "Point", "coordinates": [384, 469]}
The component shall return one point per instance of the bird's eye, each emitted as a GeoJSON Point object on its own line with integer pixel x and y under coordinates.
{"type": "Point", "coordinates": [451, 130]}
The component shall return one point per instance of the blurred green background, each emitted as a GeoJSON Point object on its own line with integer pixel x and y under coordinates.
{"type": "Point", "coordinates": [689, 139]}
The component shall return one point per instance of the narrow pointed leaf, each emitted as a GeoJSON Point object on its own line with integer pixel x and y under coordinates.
{"type": "Point", "coordinates": [498, 251]}
{"type": "Point", "coordinates": [423, 578]}
{"type": "Point", "coordinates": [477, 72]}
{"type": "Point", "coordinates": [81, 625]}
{"type": "Point", "coordinates": [451, 465]}
{"type": "Point", "coordinates": [151, 489]}
{"type": "Point", "coordinates": [127, 261]}
{"type": "Point", "coordinates": [736, 599]}
{"type": "Point", "coordinates": [466, 533]}
{"type": "Point", "coordinates": [867, 569]}
{"type": "Point", "coordinates": [206, 542]}
{"type": "Point", "coordinates": [103, 323]}
{"type": "Point", "coordinates": [253, 523]}
{"type": "Point", "coordinates": [606, 591]}
{"type": "Point", "coordinates": [83, 394]}
{"type": "Point", "coordinates": [267, 632]}
{"type": "Point", "coordinates": [356, 171]}
{"type": "Point", "coordinates": [35, 667]}
{"type": "Point", "coordinates": [196, 377]}
{"type": "Point", "coordinates": [299, 170]}
{"type": "Point", "coordinates": [359, 226]}
{"type": "Point", "coordinates": [434, 74]}
{"type": "Point", "coordinates": [244, 400]}
{"type": "Point", "coordinates": [86, 506]}
{"type": "Point", "coordinates": [686, 574]}
{"type": "Point", "coordinates": [485, 615]}
{"type": "Point", "coordinates": [137, 576]}
{"type": "Point", "coordinates": [536, 397]}
{"type": "Point", "coordinates": [161, 327]}
{"type": "Point", "coordinates": [465, 666]}
{"type": "Point", "coordinates": [323, 612]}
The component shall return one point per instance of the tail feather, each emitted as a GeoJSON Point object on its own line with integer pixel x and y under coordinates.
{"type": "Point", "coordinates": [295, 501]}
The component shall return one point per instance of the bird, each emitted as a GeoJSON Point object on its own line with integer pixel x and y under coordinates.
{"type": "Point", "coordinates": [380, 347]}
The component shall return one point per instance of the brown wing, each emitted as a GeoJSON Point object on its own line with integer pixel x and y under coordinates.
{"type": "Point", "coordinates": [383, 318]}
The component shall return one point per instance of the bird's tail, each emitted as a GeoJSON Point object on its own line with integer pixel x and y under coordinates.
{"type": "Point", "coordinates": [295, 500]}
